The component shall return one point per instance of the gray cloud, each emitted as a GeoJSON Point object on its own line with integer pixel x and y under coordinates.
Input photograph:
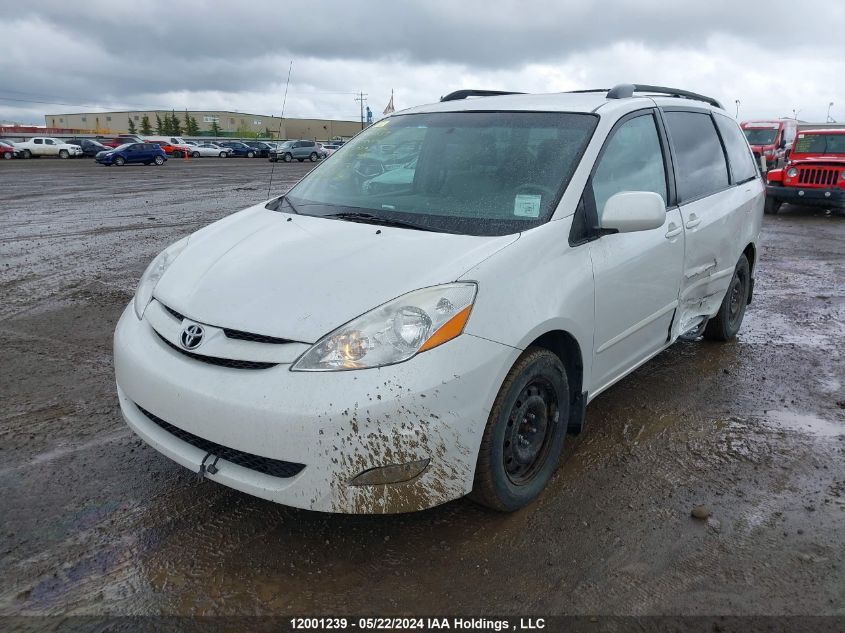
{"type": "Point", "coordinates": [235, 55]}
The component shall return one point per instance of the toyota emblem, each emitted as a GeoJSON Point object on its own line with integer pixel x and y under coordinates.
{"type": "Point", "coordinates": [192, 336]}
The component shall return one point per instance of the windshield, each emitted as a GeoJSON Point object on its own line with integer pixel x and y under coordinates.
{"type": "Point", "coordinates": [760, 135]}
{"type": "Point", "coordinates": [286, 144]}
{"type": "Point", "coordinates": [478, 173]}
{"type": "Point", "coordinates": [124, 146]}
{"type": "Point", "coordinates": [820, 144]}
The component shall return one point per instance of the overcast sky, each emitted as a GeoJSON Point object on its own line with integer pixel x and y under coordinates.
{"type": "Point", "coordinates": [103, 55]}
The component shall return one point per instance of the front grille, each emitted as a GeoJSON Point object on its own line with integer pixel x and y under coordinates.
{"type": "Point", "coordinates": [238, 334]}
{"type": "Point", "coordinates": [822, 176]}
{"type": "Point", "coordinates": [265, 465]}
{"type": "Point", "coordinates": [220, 362]}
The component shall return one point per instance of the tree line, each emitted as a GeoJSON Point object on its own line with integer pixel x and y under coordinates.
{"type": "Point", "coordinates": [169, 125]}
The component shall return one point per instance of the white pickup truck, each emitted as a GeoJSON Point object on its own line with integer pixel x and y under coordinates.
{"type": "Point", "coordinates": [46, 146]}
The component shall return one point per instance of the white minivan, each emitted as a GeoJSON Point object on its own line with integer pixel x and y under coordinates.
{"type": "Point", "coordinates": [349, 348]}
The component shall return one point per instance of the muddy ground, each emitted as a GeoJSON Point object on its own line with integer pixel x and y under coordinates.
{"type": "Point", "coordinates": [93, 521]}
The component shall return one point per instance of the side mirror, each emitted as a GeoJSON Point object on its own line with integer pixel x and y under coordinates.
{"type": "Point", "coordinates": [630, 211]}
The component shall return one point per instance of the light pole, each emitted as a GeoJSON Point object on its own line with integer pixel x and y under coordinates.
{"type": "Point", "coordinates": [795, 113]}
{"type": "Point", "coordinates": [736, 116]}
{"type": "Point", "coordinates": [827, 118]}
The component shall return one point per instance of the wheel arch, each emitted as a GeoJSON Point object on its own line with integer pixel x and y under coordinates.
{"type": "Point", "coordinates": [566, 347]}
{"type": "Point", "coordinates": [750, 252]}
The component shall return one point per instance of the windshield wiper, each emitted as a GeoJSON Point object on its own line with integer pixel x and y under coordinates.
{"type": "Point", "coordinates": [369, 218]}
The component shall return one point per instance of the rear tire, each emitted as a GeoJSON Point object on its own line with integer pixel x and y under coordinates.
{"type": "Point", "coordinates": [771, 206]}
{"type": "Point", "coordinates": [524, 436]}
{"type": "Point", "coordinates": [726, 323]}
{"type": "Point", "coordinates": [313, 157]}
{"type": "Point", "coordinates": [7, 156]}
{"type": "Point", "coordinates": [158, 160]}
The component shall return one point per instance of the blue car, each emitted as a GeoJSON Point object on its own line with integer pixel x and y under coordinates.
{"type": "Point", "coordinates": [240, 149]}
{"type": "Point", "coordinates": [146, 153]}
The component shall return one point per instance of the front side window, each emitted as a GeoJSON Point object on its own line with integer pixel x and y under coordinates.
{"type": "Point", "coordinates": [477, 173]}
{"type": "Point", "coordinates": [632, 161]}
{"type": "Point", "coordinates": [701, 168]}
{"type": "Point", "coordinates": [741, 159]}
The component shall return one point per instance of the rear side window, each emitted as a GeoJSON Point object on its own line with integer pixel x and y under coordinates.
{"type": "Point", "coordinates": [632, 161]}
{"type": "Point", "coordinates": [38, 141]}
{"type": "Point", "coordinates": [739, 154]}
{"type": "Point", "coordinates": [700, 166]}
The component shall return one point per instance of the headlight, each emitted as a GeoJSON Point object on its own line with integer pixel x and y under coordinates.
{"type": "Point", "coordinates": [395, 331]}
{"type": "Point", "coordinates": [792, 172]}
{"type": "Point", "coordinates": [154, 272]}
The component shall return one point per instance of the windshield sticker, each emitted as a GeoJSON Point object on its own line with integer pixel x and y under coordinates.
{"type": "Point", "coordinates": [527, 205]}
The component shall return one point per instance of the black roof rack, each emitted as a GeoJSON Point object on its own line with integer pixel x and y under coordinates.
{"type": "Point", "coordinates": [624, 91]}
{"type": "Point", "coordinates": [463, 94]}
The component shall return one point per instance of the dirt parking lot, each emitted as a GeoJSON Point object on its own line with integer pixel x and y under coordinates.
{"type": "Point", "coordinates": [93, 521]}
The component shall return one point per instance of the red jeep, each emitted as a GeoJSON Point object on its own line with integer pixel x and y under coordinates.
{"type": "Point", "coordinates": [815, 173]}
{"type": "Point", "coordinates": [770, 139]}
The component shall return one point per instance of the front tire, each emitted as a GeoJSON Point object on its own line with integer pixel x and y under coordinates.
{"type": "Point", "coordinates": [250, 154]}
{"type": "Point", "coordinates": [288, 157]}
{"type": "Point", "coordinates": [725, 325]}
{"type": "Point", "coordinates": [223, 154]}
{"type": "Point", "coordinates": [196, 154]}
{"type": "Point", "coordinates": [7, 156]}
{"type": "Point", "coordinates": [771, 206]}
{"type": "Point", "coordinates": [27, 154]}
{"type": "Point", "coordinates": [524, 436]}
{"type": "Point", "coordinates": [119, 161]}
{"type": "Point", "coordinates": [63, 153]}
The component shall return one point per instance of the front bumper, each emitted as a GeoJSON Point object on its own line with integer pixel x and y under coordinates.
{"type": "Point", "coordinates": [830, 197]}
{"type": "Point", "coordinates": [337, 424]}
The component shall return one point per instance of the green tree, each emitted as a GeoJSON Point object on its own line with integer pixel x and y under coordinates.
{"type": "Point", "coordinates": [146, 128]}
{"type": "Point", "coordinates": [175, 125]}
{"type": "Point", "coordinates": [159, 124]}
{"type": "Point", "coordinates": [132, 128]}
{"type": "Point", "coordinates": [215, 129]}
{"type": "Point", "coordinates": [192, 128]}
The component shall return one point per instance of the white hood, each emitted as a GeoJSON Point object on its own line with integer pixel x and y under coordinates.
{"type": "Point", "coordinates": [257, 272]}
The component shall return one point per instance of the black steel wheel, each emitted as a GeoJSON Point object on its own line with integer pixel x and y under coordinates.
{"type": "Point", "coordinates": [725, 325]}
{"type": "Point", "coordinates": [524, 436]}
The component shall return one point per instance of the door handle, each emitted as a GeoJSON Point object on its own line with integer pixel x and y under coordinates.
{"type": "Point", "coordinates": [674, 230]}
{"type": "Point", "coordinates": [693, 221]}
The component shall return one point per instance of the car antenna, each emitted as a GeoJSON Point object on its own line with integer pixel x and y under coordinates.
{"type": "Point", "coordinates": [281, 122]}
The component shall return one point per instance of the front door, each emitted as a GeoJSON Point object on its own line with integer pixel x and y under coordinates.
{"type": "Point", "coordinates": [636, 275]}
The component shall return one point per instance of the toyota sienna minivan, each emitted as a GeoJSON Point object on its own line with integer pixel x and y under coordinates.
{"type": "Point", "coordinates": [346, 348]}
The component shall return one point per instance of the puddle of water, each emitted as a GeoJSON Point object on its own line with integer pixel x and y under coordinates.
{"type": "Point", "coordinates": [804, 423]}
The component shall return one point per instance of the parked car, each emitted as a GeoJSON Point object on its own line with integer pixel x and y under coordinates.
{"type": "Point", "coordinates": [45, 146]}
{"type": "Point", "coordinates": [121, 139]}
{"type": "Point", "coordinates": [89, 147]}
{"type": "Point", "coordinates": [143, 153]}
{"type": "Point", "coordinates": [389, 351]}
{"type": "Point", "coordinates": [165, 146]}
{"type": "Point", "coordinates": [770, 139]}
{"type": "Point", "coordinates": [815, 173]}
{"type": "Point", "coordinates": [240, 149]}
{"type": "Point", "coordinates": [299, 150]}
{"type": "Point", "coordinates": [330, 148]}
{"type": "Point", "coordinates": [210, 149]}
{"type": "Point", "coordinates": [178, 147]}
{"type": "Point", "coordinates": [261, 148]}
{"type": "Point", "coordinates": [8, 150]}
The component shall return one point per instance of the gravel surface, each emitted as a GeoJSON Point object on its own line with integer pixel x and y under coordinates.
{"type": "Point", "coordinates": [709, 481]}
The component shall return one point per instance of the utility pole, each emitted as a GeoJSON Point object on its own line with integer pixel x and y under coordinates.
{"type": "Point", "coordinates": [361, 98]}
{"type": "Point", "coordinates": [736, 116]}
{"type": "Point", "coordinates": [827, 118]}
